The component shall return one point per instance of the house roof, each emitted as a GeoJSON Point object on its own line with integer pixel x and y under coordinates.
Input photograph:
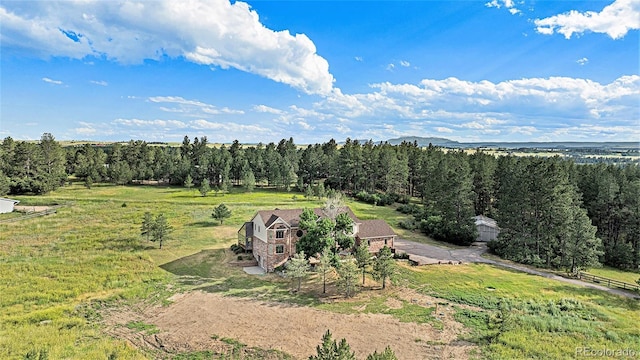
{"type": "Point", "coordinates": [374, 228]}
{"type": "Point", "coordinates": [292, 216]}
{"type": "Point", "coordinates": [484, 220]}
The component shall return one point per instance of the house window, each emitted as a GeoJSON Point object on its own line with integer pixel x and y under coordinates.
{"type": "Point", "coordinates": [368, 242]}
{"type": "Point", "coordinates": [299, 233]}
{"type": "Point", "coordinates": [279, 249]}
{"type": "Point", "coordinates": [279, 234]}
{"type": "Point", "coordinates": [385, 241]}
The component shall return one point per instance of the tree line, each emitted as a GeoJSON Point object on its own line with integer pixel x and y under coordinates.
{"type": "Point", "coordinates": [552, 212]}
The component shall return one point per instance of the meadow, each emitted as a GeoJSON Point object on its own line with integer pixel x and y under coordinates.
{"type": "Point", "coordinates": [59, 271]}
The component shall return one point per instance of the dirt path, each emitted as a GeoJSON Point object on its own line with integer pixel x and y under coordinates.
{"type": "Point", "coordinates": [196, 319]}
{"type": "Point", "coordinates": [433, 254]}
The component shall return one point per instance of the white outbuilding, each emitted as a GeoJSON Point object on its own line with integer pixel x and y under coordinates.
{"type": "Point", "coordinates": [6, 205]}
{"type": "Point", "coordinates": [487, 228]}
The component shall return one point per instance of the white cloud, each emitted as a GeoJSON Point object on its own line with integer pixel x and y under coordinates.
{"type": "Point", "coordinates": [508, 108]}
{"type": "Point", "coordinates": [358, 58]}
{"type": "Point", "coordinates": [390, 67]}
{"type": "Point", "coordinates": [192, 107]}
{"type": "Point", "coordinates": [101, 83]}
{"type": "Point", "coordinates": [404, 63]}
{"type": "Point", "coordinates": [165, 124]}
{"type": "Point", "coordinates": [209, 32]}
{"type": "Point", "coordinates": [51, 81]}
{"type": "Point", "coordinates": [615, 20]}
{"type": "Point", "coordinates": [442, 129]}
{"type": "Point", "coordinates": [267, 109]}
{"type": "Point", "coordinates": [582, 61]}
{"type": "Point", "coordinates": [305, 125]}
{"type": "Point", "coordinates": [508, 4]}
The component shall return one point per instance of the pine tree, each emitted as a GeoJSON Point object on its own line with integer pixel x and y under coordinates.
{"type": "Point", "coordinates": [160, 229]}
{"type": "Point", "coordinates": [188, 182]}
{"type": "Point", "coordinates": [298, 268]}
{"type": "Point", "coordinates": [221, 212]}
{"type": "Point", "coordinates": [387, 354]}
{"type": "Point", "coordinates": [363, 257]}
{"type": "Point", "coordinates": [147, 225]}
{"type": "Point", "coordinates": [324, 267]}
{"type": "Point", "coordinates": [205, 187]}
{"type": "Point", "coordinates": [348, 274]}
{"type": "Point", "coordinates": [384, 266]}
{"type": "Point", "coordinates": [331, 350]}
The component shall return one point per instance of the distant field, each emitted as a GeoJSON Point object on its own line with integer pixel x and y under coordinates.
{"type": "Point", "coordinates": [57, 272]}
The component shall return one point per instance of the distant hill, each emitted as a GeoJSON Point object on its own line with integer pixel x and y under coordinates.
{"type": "Point", "coordinates": [425, 141]}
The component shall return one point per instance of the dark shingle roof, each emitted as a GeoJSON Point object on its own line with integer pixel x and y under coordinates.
{"type": "Point", "coordinates": [292, 216]}
{"type": "Point", "coordinates": [374, 228]}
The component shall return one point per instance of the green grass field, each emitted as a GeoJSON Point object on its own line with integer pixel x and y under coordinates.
{"type": "Point", "coordinates": [57, 270]}
{"type": "Point", "coordinates": [611, 273]}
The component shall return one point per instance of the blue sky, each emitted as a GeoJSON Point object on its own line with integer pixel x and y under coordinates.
{"type": "Point", "coordinates": [498, 70]}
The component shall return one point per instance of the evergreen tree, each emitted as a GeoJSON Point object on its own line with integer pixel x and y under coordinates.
{"type": "Point", "coordinates": [308, 192]}
{"type": "Point", "coordinates": [188, 182]}
{"type": "Point", "coordinates": [363, 257]}
{"type": "Point", "coordinates": [387, 354]}
{"type": "Point", "coordinates": [147, 225]}
{"type": "Point", "coordinates": [331, 350]}
{"type": "Point", "coordinates": [348, 274]}
{"type": "Point", "coordinates": [160, 229]}
{"type": "Point", "coordinates": [297, 268]}
{"type": "Point", "coordinates": [325, 265]}
{"type": "Point", "coordinates": [384, 266]}
{"type": "Point", "coordinates": [204, 187]}
{"type": "Point", "coordinates": [221, 212]}
{"type": "Point", "coordinates": [248, 180]}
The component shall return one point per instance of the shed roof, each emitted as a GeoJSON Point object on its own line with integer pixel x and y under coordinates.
{"type": "Point", "coordinates": [10, 200]}
{"type": "Point", "coordinates": [374, 229]}
{"type": "Point", "coordinates": [484, 220]}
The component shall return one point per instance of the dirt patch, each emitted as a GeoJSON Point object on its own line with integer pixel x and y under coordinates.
{"type": "Point", "coordinates": [30, 209]}
{"type": "Point", "coordinates": [196, 320]}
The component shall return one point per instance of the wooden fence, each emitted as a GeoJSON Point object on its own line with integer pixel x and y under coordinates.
{"type": "Point", "coordinates": [607, 282]}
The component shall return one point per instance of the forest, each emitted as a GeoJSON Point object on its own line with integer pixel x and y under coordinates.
{"type": "Point", "coordinates": [552, 212]}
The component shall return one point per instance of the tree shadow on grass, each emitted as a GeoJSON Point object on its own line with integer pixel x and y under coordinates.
{"type": "Point", "coordinates": [127, 245]}
{"type": "Point", "coordinates": [203, 223]}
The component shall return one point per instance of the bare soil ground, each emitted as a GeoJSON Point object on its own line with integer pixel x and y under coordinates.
{"type": "Point", "coordinates": [30, 209]}
{"type": "Point", "coordinates": [196, 321]}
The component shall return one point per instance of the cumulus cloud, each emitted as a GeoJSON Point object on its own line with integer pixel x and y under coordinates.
{"type": "Point", "coordinates": [209, 32]}
{"type": "Point", "coordinates": [615, 20]}
{"type": "Point", "coordinates": [519, 107]}
{"type": "Point", "coordinates": [51, 81]}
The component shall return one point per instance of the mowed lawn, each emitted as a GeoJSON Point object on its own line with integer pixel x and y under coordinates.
{"type": "Point", "coordinates": [57, 271]}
